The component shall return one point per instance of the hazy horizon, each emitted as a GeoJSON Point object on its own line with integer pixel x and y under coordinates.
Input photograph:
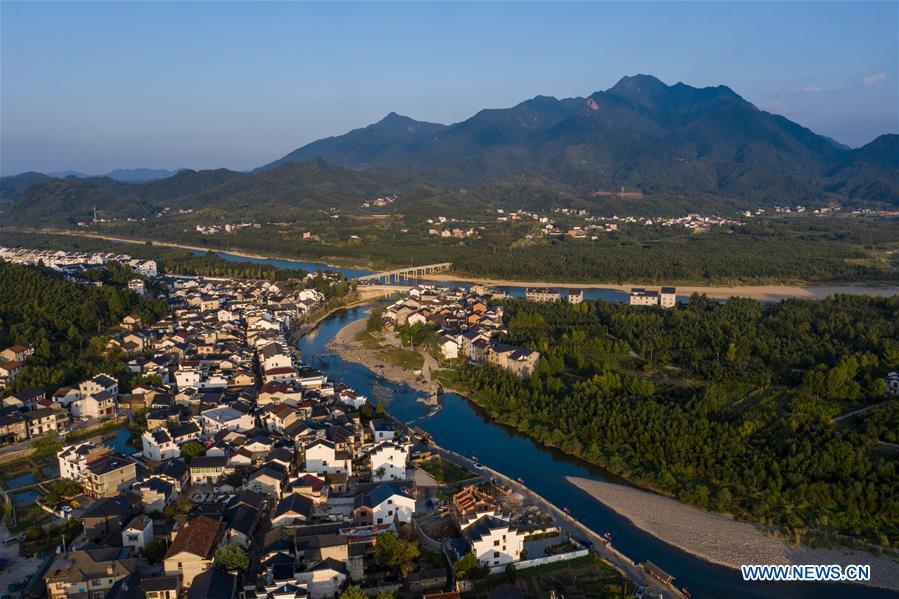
{"type": "Point", "coordinates": [93, 87]}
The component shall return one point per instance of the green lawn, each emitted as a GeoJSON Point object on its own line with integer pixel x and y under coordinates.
{"type": "Point", "coordinates": [402, 358]}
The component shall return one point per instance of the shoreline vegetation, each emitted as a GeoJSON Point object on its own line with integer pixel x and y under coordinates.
{"type": "Point", "coordinates": [722, 540]}
{"type": "Point", "coordinates": [707, 535]}
{"type": "Point", "coordinates": [760, 291]}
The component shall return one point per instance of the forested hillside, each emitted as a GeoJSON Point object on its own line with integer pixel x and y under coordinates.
{"type": "Point", "coordinates": [65, 322]}
{"type": "Point", "coordinates": [727, 406]}
{"type": "Point", "coordinates": [641, 134]}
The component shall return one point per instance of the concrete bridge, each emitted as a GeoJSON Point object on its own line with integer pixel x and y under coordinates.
{"type": "Point", "coordinates": [413, 272]}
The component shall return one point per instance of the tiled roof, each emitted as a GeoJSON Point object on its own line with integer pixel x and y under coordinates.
{"type": "Point", "coordinates": [201, 537]}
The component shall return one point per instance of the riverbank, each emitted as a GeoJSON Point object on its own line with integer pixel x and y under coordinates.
{"type": "Point", "coordinates": [347, 345]}
{"type": "Point", "coordinates": [758, 292]}
{"type": "Point", "coordinates": [766, 292]}
{"type": "Point", "coordinates": [194, 248]}
{"type": "Point", "coordinates": [708, 536]}
{"type": "Point", "coordinates": [363, 296]}
{"type": "Point", "coordinates": [722, 540]}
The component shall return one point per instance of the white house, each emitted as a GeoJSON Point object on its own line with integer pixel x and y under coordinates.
{"type": "Point", "coordinates": [325, 579]}
{"type": "Point", "coordinates": [73, 460]}
{"type": "Point", "coordinates": [322, 457]}
{"type": "Point", "coordinates": [388, 461]}
{"type": "Point", "coordinates": [225, 417]}
{"type": "Point", "coordinates": [99, 404]}
{"type": "Point", "coordinates": [893, 383]}
{"type": "Point", "coordinates": [98, 384]}
{"type": "Point", "coordinates": [389, 504]}
{"type": "Point", "coordinates": [158, 445]}
{"type": "Point", "coordinates": [138, 533]}
{"type": "Point", "coordinates": [494, 541]}
{"type": "Point", "coordinates": [381, 430]}
{"type": "Point", "coordinates": [448, 348]}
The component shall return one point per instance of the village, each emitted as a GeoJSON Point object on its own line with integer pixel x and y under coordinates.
{"type": "Point", "coordinates": [245, 472]}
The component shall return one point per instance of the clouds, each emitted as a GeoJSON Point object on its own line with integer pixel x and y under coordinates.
{"type": "Point", "coordinates": [870, 80]}
{"type": "Point", "coordinates": [793, 89]}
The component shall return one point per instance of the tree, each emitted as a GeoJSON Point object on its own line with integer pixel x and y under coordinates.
{"type": "Point", "coordinates": [182, 505]}
{"type": "Point", "coordinates": [155, 550]}
{"type": "Point", "coordinates": [232, 557]}
{"type": "Point", "coordinates": [384, 595]}
{"type": "Point", "coordinates": [353, 592]}
{"type": "Point", "coordinates": [511, 573]}
{"type": "Point", "coordinates": [236, 478]}
{"type": "Point", "coordinates": [393, 552]}
{"type": "Point", "coordinates": [469, 567]}
{"type": "Point", "coordinates": [191, 450]}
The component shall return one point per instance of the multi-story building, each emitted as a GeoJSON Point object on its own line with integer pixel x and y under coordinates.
{"type": "Point", "coordinates": [158, 445]}
{"type": "Point", "coordinates": [643, 297]}
{"type": "Point", "coordinates": [87, 574]}
{"type": "Point", "coordinates": [668, 297]}
{"type": "Point", "coordinates": [494, 541]}
{"type": "Point", "coordinates": [109, 476]}
{"type": "Point", "coordinates": [575, 296]}
{"type": "Point", "coordinates": [45, 420]}
{"type": "Point", "coordinates": [542, 295]}
{"type": "Point", "coordinates": [13, 428]}
{"type": "Point", "coordinates": [193, 550]}
{"type": "Point", "coordinates": [73, 460]}
{"type": "Point", "coordinates": [388, 461]}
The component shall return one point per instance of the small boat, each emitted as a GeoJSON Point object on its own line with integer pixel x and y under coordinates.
{"type": "Point", "coordinates": [685, 592]}
{"type": "Point", "coordinates": [608, 537]}
{"type": "Point", "coordinates": [566, 510]}
{"type": "Point", "coordinates": [474, 458]}
{"type": "Point", "coordinates": [520, 481]}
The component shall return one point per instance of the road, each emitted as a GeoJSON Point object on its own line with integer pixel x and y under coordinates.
{"type": "Point", "coordinates": [618, 560]}
{"type": "Point", "coordinates": [856, 412]}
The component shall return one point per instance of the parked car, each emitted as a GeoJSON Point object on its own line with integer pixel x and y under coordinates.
{"type": "Point", "coordinates": [478, 466]}
{"type": "Point", "coordinates": [10, 540]}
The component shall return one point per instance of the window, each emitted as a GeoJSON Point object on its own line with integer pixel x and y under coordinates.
{"type": "Point", "coordinates": [496, 543]}
{"type": "Point", "coordinates": [496, 554]}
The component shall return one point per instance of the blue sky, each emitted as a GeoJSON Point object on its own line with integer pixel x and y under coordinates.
{"type": "Point", "coordinates": [92, 87]}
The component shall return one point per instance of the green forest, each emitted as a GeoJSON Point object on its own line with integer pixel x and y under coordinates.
{"type": "Point", "coordinates": [727, 406]}
{"type": "Point", "coordinates": [66, 322]}
{"type": "Point", "coordinates": [763, 251]}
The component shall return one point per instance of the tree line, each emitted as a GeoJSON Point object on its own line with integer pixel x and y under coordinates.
{"type": "Point", "coordinates": [65, 322]}
{"type": "Point", "coordinates": [724, 415]}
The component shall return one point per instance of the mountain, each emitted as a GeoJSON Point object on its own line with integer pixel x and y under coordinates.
{"type": "Point", "coordinates": [871, 171]}
{"type": "Point", "coordinates": [640, 134]}
{"type": "Point", "coordinates": [11, 187]}
{"type": "Point", "coordinates": [391, 138]}
{"type": "Point", "coordinates": [139, 174]}
{"type": "Point", "coordinates": [291, 187]}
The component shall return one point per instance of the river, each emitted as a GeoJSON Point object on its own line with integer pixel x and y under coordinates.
{"type": "Point", "coordinates": [462, 427]}
{"type": "Point", "coordinates": [590, 293]}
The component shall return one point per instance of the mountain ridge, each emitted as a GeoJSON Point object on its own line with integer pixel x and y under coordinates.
{"type": "Point", "coordinates": [640, 133]}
